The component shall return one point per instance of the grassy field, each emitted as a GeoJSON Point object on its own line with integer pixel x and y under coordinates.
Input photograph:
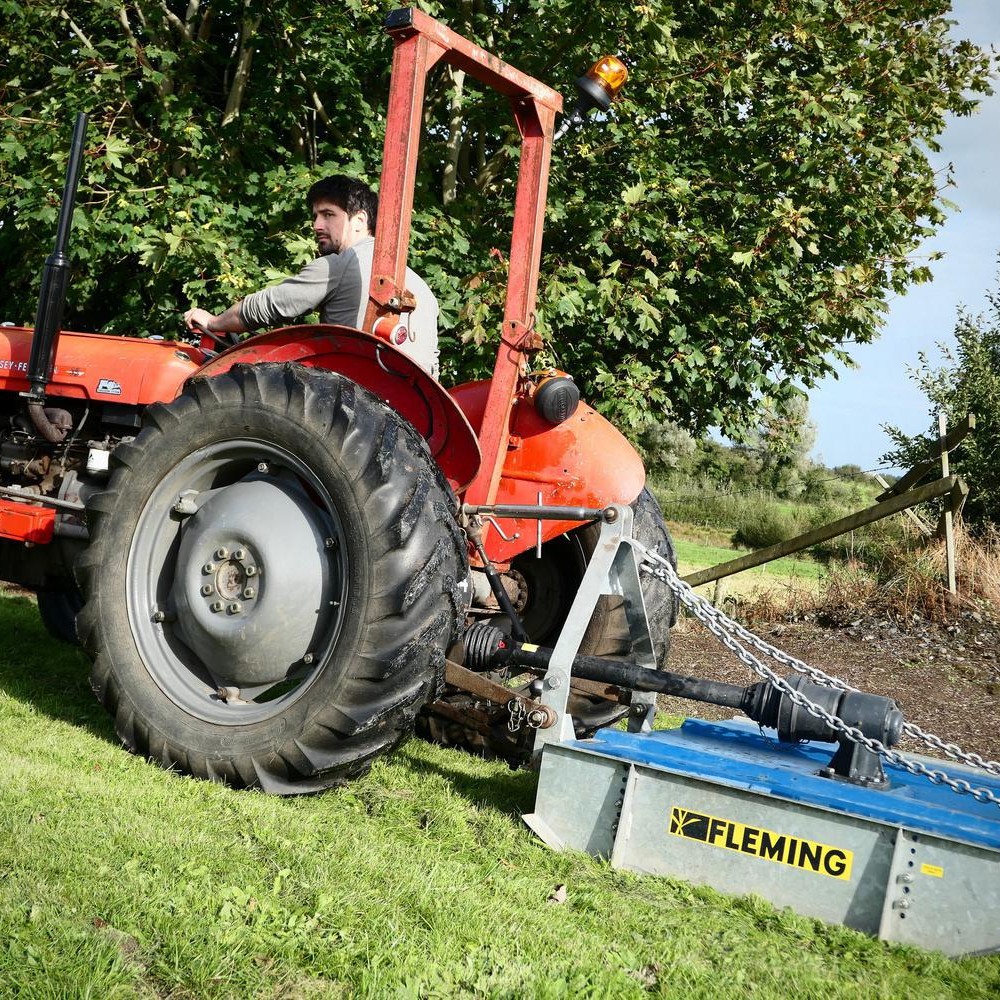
{"type": "Point", "coordinates": [699, 548]}
{"type": "Point", "coordinates": [120, 880]}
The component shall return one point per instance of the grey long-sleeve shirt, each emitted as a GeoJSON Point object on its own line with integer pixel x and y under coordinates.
{"type": "Point", "coordinates": [337, 285]}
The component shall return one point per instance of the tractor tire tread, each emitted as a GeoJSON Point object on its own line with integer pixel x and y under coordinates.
{"type": "Point", "coordinates": [399, 661]}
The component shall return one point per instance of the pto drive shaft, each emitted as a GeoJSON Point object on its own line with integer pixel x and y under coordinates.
{"type": "Point", "coordinates": [878, 718]}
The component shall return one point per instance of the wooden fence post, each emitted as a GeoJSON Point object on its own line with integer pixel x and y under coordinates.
{"type": "Point", "coordinates": [947, 519]}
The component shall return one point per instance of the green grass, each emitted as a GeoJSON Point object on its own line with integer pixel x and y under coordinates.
{"type": "Point", "coordinates": [700, 547]}
{"type": "Point", "coordinates": [118, 879]}
{"type": "Point", "coordinates": [692, 555]}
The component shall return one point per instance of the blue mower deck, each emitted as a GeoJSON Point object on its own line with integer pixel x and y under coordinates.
{"type": "Point", "coordinates": [725, 805]}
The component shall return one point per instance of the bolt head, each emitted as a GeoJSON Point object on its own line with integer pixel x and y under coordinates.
{"type": "Point", "coordinates": [250, 570]}
{"type": "Point", "coordinates": [330, 542]}
{"type": "Point", "coordinates": [209, 567]}
{"type": "Point", "coordinates": [158, 616]}
{"type": "Point", "coordinates": [239, 554]}
{"type": "Point", "coordinates": [308, 658]}
{"type": "Point", "coordinates": [207, 590]}
{"type": "Point", "coordinates": [263, 467]}
{"type": "Point", "coordinates": [217, 606]}
{"type": "Point", "coordinates": [249, 593]}
{"type": "Point", "coordinates": [222, 553]}
{"type": "Point", "coordinates": [235, 608]}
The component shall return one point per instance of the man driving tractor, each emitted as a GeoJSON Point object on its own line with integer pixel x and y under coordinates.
{"type": "Point", "coordinates": [336, 282]}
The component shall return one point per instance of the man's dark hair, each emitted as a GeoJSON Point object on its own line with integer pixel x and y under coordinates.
{"type": "Point", "coordinates": [348, 194]}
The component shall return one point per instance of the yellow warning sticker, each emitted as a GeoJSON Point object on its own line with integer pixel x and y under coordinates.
{"type": "Point", "coordinates": [934, 870]}
{"type": "Point", "coordinates": [529, 647]}
{"type": "Point", "coordinates": [755, 841]}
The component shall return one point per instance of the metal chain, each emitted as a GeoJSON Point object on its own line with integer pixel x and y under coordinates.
{"type": "Point", "coordinates": [912, 730]}
{"type": "Point", "coordinates": [721, 626]}
{"type": "Point", "coordinates": [952, 750]}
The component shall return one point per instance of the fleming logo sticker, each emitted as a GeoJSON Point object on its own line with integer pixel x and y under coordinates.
{"type": "Point", "coordinates": [760, 843]}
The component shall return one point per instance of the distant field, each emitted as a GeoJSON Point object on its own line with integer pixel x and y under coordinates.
{"type": "Point", "coordinates": [695, 553]}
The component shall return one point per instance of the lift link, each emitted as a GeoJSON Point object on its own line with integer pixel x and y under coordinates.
{"type": "Point", "coordinates": [527, 711]}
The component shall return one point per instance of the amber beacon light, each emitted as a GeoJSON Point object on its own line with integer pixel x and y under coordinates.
{"type": "Point", "coordinates": [596, 89]}
{"type": "Point", "coordinates": [599, 86]}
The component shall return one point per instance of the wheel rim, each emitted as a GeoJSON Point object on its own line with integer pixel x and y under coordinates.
{"type": "Point", "coordinates": [236, 582]}
{"type": "Point", "coordinates": [548, 586]}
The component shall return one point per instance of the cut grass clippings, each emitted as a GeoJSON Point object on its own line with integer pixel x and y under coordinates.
{"type": "Point", "coordinates": [122, 880]}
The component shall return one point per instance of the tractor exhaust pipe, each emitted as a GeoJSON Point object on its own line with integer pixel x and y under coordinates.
{"type": "Point", "coordinates": [52, 298]}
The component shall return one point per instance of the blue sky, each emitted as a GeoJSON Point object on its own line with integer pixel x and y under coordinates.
{"type": "Point", "coordinates": [849, 412]}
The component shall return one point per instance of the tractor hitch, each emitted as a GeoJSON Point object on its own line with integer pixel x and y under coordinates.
{"type": "Point", "coordinates": [487, 648]}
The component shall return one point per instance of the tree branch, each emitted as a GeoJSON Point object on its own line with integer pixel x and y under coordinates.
{"type": "Point", "coordinates": [189, 18]}
{"type": "Point", "coordinates": [453, 147]}
{"type": "Point", "coordinates": [140, 52]}
{"type": "Point", "coordinates": [317, 101]}
{"type": "Point", "coordinates": [248, 29]}
{"type": "Point", "coordinates": [175, 20]}
{"type": "Point", "coordinates": [75, 28]}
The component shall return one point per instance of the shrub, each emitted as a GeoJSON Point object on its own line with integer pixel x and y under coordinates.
{"type": "Point", "coordinates": [871, 546]}
{"type": "Point", "coordinates": [764, 525]}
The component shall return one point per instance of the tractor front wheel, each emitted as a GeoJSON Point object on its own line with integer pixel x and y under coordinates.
{"type": "Point", "coordinates": [273, 577]}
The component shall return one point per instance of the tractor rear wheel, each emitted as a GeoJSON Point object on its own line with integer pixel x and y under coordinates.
{"type": "Point", "coordinates": [273, 577]}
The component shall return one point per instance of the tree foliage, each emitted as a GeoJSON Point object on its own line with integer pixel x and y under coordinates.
{"type": "Point", "coordinates": [735, 223]}
{"type": "Point", "coordinates": [968, 381]}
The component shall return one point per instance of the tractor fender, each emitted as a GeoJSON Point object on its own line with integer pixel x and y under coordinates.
{"type": "Point", "coordinates": [583, 461]}
{"type": "Point", "coordinates": [378, 367]}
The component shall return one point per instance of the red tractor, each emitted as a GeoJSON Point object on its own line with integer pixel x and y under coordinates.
{"type": "Point", "coordinates": [273, 551]}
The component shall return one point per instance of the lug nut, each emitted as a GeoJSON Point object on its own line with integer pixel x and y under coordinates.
{"type": "Point", "coordinates": [235, 608]}
{"type": "Point", "coordinates": [222, 553]}
{"type": "Point", "coordinates": [207, 590]}
{"type": "Point", "coordinates": [308, 658]}
{"type": "Point", "coordinates": [263, 468]}
{"type": "Point", "coordinates": [249, 593]}
{"type": "Point", "coordinates": [239, 554]}
{"type": "Point", "coordinates": [250, 570]}
{"type": "Point", "coordinates": [209, 567]}
{"type": "Point", "coordinates": [217, 606]}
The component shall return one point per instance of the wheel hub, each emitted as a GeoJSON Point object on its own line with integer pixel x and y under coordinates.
{"type": "Point", "coordinates": [255, 588]}
{"type": "Point", "coordinates": [230, 580]}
